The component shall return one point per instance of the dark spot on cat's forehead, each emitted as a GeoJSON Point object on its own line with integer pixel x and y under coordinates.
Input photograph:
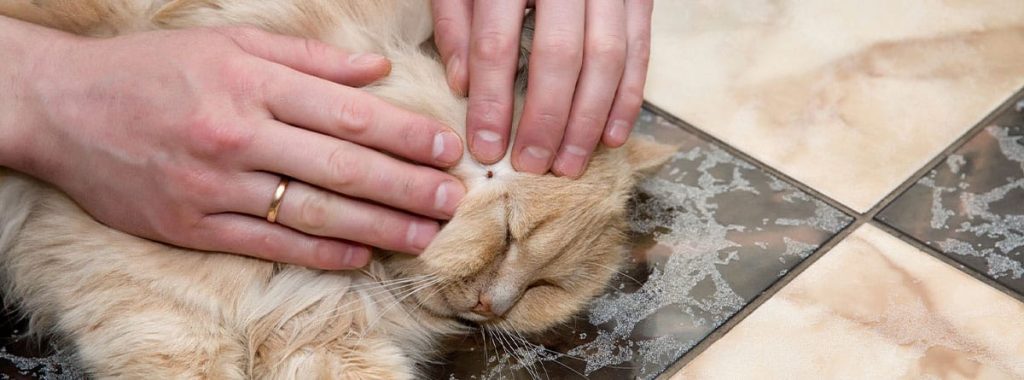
{"type": "Point", "coordinates": [490, 174]}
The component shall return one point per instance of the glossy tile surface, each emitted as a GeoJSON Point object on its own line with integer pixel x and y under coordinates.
{"type": "Point", "coordinates": [873, 307]}
{"type": "Point", "coordinates": [848, 97]}
{"type": "Point", "coordinates": [711, 233]}
{"type": "Point", "coordinates": [971, 207]}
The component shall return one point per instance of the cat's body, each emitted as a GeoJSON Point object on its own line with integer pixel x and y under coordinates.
{"type": "Point", "coordinates": [539, 246]}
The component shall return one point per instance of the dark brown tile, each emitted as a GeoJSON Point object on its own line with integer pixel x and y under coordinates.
{"type": "Point", "coordinates": [971, 207]}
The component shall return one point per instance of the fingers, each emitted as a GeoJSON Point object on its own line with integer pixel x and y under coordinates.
{"type": "Point", "coordinates": [356, 116]}
{"type": "Point", "coordinates": [354, 170]}
{"type": "Point", "coordinates": [451, 34]}
{"type": "Point", "coordinates": [604, 59]}
{"type": "Point", "coordinates": [630, 96]}
{"type": "Point", "coordinates": [494, 51]}
{"type": "Point", "coordinates": [555, 62]}
{"type": "Point", "coordinates": [255, 237]}
{"type": "Point", "coordinates": [318, 212]}
{"type": "Point", "coordinates": [311, 57]}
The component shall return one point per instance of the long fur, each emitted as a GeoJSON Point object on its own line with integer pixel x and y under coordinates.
{"type": "Point", "coordinates": [133, 308]}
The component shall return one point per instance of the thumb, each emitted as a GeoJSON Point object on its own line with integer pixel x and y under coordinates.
{"type": "Point", "coordinates": [312, 57]}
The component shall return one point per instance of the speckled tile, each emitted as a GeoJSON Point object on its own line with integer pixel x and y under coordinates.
{"type": "Point", "coordinates": [971, 207]}
{"type": "Point", "coordinates": [848, 97]}
{"type": "Point", "coordinates": [711, 233]}
{"type": "Point", "coordinates": [873, 307]}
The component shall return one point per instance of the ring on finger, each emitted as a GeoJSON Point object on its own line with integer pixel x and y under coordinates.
{"type": "Point", "coordinates": [275, 203]}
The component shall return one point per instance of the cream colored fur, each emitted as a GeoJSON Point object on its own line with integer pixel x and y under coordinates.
{"type": "Point", "coordinates": [541, 246]}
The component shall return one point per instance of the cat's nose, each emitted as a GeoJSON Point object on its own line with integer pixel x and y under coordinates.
{"type": "Point", "coordinates": [483, 307]}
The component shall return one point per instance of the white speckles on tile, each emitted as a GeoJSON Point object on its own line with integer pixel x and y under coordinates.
{"type": "Point", "coordinates": [874, 308]}
{"type": "Point", "coordinates": [848, 97]}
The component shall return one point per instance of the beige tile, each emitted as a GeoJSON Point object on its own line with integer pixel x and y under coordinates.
{"type": "Point", "coordinates": [849, 97]}
{"type": "Point", "coordinates": [874, 307]}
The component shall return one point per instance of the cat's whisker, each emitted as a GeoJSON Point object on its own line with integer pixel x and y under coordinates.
{"type": "Point", "coordinates": [529, 367]}
{"type": "Point", "coordinates": [372, 294]}
{"type": "Point", "coordinates": [508, 352]}
{"type": "Point", "coordinates": [621, 273]}
{"type": "Point", "coordinates": [397, 302]}
{"type": "Point", "coordinates": [558, 354]}
{"type": "Point", "coordinates": [515, 335]}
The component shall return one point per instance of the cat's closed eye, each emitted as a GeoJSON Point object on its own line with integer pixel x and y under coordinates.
{"type": "Point", "coordinates": [540, 283]}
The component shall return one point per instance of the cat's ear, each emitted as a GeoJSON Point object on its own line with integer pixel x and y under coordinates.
{"type": "Point", "coordinates": [645, 155]}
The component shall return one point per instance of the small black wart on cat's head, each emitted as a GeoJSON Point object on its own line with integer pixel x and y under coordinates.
{"type": "Point", "coordinates": [490, 174]}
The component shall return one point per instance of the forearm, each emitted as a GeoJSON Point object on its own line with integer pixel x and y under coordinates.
{"type": "Point", "coordinates": [23, 48]}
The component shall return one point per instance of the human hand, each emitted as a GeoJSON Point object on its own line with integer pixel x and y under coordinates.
{"type": "Point", "coordinates": [583, 52]}
{"type": "Point", "coordinates": [183, 136]}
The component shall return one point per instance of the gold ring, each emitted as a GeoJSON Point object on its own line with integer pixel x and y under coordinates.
{"type": "Point", "coordinates": [275, 204]}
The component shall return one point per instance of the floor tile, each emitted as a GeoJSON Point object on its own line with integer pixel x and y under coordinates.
{"type": "Point", "coordinates": [874, 307]}
{"type": "Point", "coordinates": [971, 207]}
{"type": "Point", "coordinates": [848, 97]}
{"type": "Point", "coordinates": [711, 233]}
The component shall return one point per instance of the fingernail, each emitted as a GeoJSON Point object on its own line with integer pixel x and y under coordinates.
{"type": "Point", "coordinates": [487, 146]}
{"type": "Point", "coordinates": [420, 234]}
{"type": "Point", "coordinates": [448, 196]}
{"type": "Point", "coordinates": [571, 161]}
{"type": "Point", "coordinates": [452, 72]}
{"type": "Point", "coordinates": [534, 159]}
{"type": "Point", "coordinates": [619, 131]}
{"type": "Point", "coordinates": [447, 148]}
{"type": "Point", "coordinates": [356, 257]}
{"type": "Point", "coordinates": [365, 59]}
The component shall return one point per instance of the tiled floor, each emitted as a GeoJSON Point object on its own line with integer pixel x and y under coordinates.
{"type": "Point", "coordinates": [841, 160]}
{"type": "Point", "coordinates": [874, 307]}
{"type": "Point", "coordinates": [712, 232]}
{"type": "Point", "coordinates": [847, 202]}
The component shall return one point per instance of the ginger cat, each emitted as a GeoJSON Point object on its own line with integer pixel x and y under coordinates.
{"type": "Point", "coordinates": [540, 246]}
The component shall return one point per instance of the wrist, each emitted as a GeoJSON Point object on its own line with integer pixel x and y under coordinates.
{"type": "Point", "coordinates": [23, 137]}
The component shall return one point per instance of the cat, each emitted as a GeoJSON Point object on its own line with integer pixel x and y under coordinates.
{"type": "Point", "coordinates": [540, 246]}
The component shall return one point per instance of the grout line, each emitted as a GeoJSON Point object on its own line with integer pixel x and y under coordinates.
{"type": "Point", "coordinates": [760, 299]}
{"type": "Point", "coordinates": [951, 261]}
{"type": "Point", "coordinates": [938, 159]}
{"type": "Point", "coordinates": [690, 128]}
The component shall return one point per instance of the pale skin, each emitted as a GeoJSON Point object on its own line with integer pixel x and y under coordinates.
{"type": "Point", "coordinates": [588, 66]}
{"type": "Point", "coordinates": [182, 136]}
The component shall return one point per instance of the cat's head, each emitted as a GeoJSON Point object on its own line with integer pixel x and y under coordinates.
{"type": "Point", "coordinates": [526, 251]}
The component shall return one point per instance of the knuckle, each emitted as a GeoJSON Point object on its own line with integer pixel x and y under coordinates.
{"type": "Point", "coordinates": [324, 254]}
{"type": "Point", "coordinates": [193, 182]}
{"type": "Point", "coordinates": [343, 173]}
{"type": "Point", "coordinates": [353, 118]}
{"type": "Point", "coordinates": [494, 47]}
{"type": "Point", "coordinates": [640, 50]}
{"type": "Point", "coordinates": [562, 49]}
{"type": "Point", "coordinates": [631, 98]}
{"type": "Point", "coordinates": [315, 50]}
{"type": "Point", "coordinates": [486, 111]}
{"type": "Point", "coordinates": [239, 75]}
{"type": "Point", "coordinates": [548, 120]}
{"type": "Point", "coordinates": [589, 121]}
{"type": "Point", "coordinates": [608, 50]}
{"type": "Point", "coordinates": [446, 29]}
{"type": "Point", "coordinates": [313, 213]}
{"type": "Point", "coordinates": [413, 135]}
{"type": "Point", "coordinates": [217, 139]}
{"type": "Point", "coordinates": [388, 231]}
